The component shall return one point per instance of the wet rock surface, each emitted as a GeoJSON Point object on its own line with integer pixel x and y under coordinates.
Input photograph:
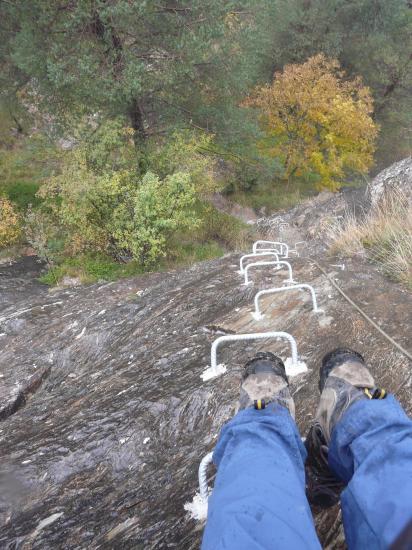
{"type": "Point", "coordinates": [103, 450]}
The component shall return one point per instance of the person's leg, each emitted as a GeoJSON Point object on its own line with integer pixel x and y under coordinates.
{"type": "Point", "coordinates": [364, 440]}
{"type": "Point", "coordinates": [258, 500]}
{"type": "Point", "coordinates": [371, 451]}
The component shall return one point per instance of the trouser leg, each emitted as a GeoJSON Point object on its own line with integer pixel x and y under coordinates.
{"type": "Point", "coordinates": [258, 500]}
{"type": "Point", "coordinates": [371, 450]}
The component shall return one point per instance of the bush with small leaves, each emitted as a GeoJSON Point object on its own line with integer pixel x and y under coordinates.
{"type": "Point", "coordinates": [10, 228]}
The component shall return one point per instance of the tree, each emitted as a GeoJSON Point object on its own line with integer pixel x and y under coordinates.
{"type": "Point", "coordinates": [368, 37]}
{"type": "Point", "coordinates": [158, 64]}
{"type": "Point", "coordinates": [317, 122]}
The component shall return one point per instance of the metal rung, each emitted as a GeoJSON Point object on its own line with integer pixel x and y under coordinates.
{"type": "Point", "coordinates": [256, 255]}
{"type": "Point", "coordinates": [203, 488]}
{"type": "Point", "coordinates": [257, 313]}
{"type": "Point", "coordinates": [274, 263]}
{"type": "Point", "coordinates": [284, 249]}
{"type": "Point", "coordinates": [255, 336]}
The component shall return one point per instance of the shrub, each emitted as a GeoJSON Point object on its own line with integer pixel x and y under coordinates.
{"type": "Point", "coordinates": [42, 234]}
{"type": "Point", "coordinates": [148, 215]}
{"type": "Point", "coordinates": [188, 152]}
{"type": "Point", "coordinates": [10, 228]}
{"type": "Point", "coordinates": [102, 203]}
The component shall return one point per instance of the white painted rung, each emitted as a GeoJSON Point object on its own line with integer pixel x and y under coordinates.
{"type": "Point", "coordinates": [256, 255]}
{"type": "Point", "coordinates": [275, 264]}
{"type": "Point", "coordinates": [253, 336]}
{"type": "Point", "coordinates": [203, 488]}
{"type": "Point", "coordinates": [257, 314]}
{"type": "Point", "coordinates": [282, 247]}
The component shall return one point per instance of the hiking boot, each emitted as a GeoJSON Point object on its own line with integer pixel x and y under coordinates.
{"type": "Point", "coordinates": [264, 382]}
{"type": "Point", "coordinates": [344, 380]}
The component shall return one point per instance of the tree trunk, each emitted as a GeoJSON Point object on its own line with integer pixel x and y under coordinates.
{"type": "Point", "coordinates": [105, 33]}
{"type": "Point", "coordinates": [136, 116]}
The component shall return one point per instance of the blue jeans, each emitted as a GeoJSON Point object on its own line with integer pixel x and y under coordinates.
{"type": "Point", "coordinates": [259, 501]}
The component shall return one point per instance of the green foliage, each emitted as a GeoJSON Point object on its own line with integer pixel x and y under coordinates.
{"type": "Point", "coordinates": [92, 179]}
{"type": "Point", "coordinates": [24, 163]}
{"type": "Point", "coordinates": [216, 233]}
{"type": "Point", "coordinates": [89, 268]}
{"type": "Point", "coordinates": [99, 201]}
{"type": "Point", "coordinates": [149, 213]}
{"type": "Point", "coordinates": [43, 234]}
{"type": "Point", "coordinates": [10, 224]}
{"type": "Point", "coordinates": [185, 151]}
{"type": "Point", "coordinates": [28, 159]}
{"type": "Point", "coordinates": [105, 144]}
{"type": "Point", "coordinates": [22, 194]}
{"type": "Point", "coordinates": [156, 65]}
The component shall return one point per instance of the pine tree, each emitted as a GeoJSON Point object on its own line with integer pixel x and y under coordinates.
{"type": "Point", "coordinates": [160, 64]}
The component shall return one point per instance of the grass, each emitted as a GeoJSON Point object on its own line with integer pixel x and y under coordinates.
{"type": "Point", "coordinates": [184, 254]}
{"type": "Point", "coordinates": [273, 197]}
{"type": "Point", "coordinates": [88, 268]}
{"type": "Point", "coordinates": [279, 195]}
{"type": "Point", "coordinates": [23, 166]}
{"type": "Point", "coordinates": [22, 193]}
{"type": "Point", "coordinates": [384, 236]}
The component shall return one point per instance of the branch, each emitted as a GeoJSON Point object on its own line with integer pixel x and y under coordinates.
{"type": "Point", "coordinates": [171, 9]}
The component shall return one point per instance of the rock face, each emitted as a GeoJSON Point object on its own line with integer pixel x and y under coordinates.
{"type": "Point", "coordinates": [398, 177]}
{"type": "Point", "coordinates": [308, 220]}
{"type": "Point", "coordinates": [107, 416]}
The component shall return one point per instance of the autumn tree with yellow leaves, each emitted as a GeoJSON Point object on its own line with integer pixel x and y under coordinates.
{"type": "Point", "coordinates": [316, 122]}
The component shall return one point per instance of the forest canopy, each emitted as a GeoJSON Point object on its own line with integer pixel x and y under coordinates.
{"type": "Point", "coordinates": [112, 108]}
